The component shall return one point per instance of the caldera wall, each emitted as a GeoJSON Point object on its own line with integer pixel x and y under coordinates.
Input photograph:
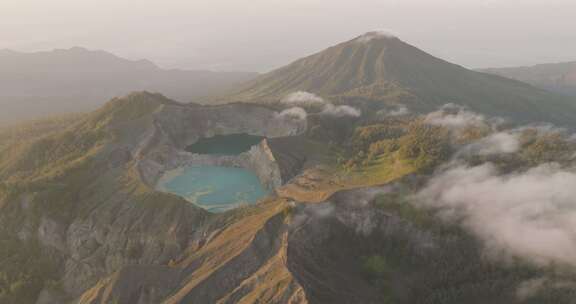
{"type": "Point", "coordinates": [177, 127]}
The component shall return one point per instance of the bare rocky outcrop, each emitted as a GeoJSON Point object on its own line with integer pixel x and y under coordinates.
{"type": "Point", "coordinates": [244, 262]}
{"type": "Point", "coordinates": [114, 230]}
{"type": "Point", "coordinates": [259, 159]}
{"type": "Point", "coordinates": [185, 125]}
{"type": "Point", "coordinates": [118, 234]}
{"type": "Point", "coordinates": [177, 127]}
{"type": "Point", "coordinates": [281, 252]}
{"type": "Point", "coordinates": [134, 284]}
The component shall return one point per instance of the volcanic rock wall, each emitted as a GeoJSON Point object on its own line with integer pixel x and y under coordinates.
{"type": "Point", "coordinates": [176, 127]}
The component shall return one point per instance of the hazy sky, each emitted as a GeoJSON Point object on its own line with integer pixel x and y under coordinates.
{"type": "Point", "coordinates": [263, 34]}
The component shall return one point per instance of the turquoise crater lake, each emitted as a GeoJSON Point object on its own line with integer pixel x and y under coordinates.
{"type": "Point", "coordinates": [216, 189]}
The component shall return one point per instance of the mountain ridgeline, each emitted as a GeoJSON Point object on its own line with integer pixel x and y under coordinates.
{"type": "Point", "coordinates": [77, 79]}
{"type": "Point", "coordinates": [363, 207]}
{"type": "Point", "coordinates": [380, 69]}
{"type": "Point", "coordinates": [556, 77]}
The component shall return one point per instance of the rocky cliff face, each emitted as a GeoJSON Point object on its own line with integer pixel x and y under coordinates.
{"type": "Point", "coordinates": [259, 159]}
{"type": "Point", "coordinates": [242, 262]}
{"type": "Point", "coordinates": [328, 241]}
{"type": "Point", "coordinates": [177, 127]}
{"type": "Point", "coordinates": [97, 232]}
{"type": "Point", "coordinates": [91, 241]}
{"type": "Point", "coordinates": [279, 252]}
{"type": "Point", "coordinates": [113, 226]}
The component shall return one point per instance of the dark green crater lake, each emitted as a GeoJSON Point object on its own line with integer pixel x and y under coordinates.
{"type": "Point", "coordinates": [232, 144]}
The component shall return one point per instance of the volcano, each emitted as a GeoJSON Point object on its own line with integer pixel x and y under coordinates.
{"type": "Point", "coordinates": [380, 68]}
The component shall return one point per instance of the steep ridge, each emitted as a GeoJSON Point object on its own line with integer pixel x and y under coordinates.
{"type": "Point", "coordinates": [556, 77]}
{"type": "Point", "coordinates": [79, 211]}
{"type": "Point", "coordinates": [354, 248]}
{"type": "Point", "coordinates": [242, 262]}
{"type": "Point", "coordinates": [77, 79]}
{"type": "Point", "coordinates": [251, 248]}
{"type": "Point", "coordinates": [85, 197]}
{"type": "Point", "coordinates": [381, 69]}
{"type": "Point", "coordinates": [85, 221]}
{"type": "Point", "coordinates": [351, 250]}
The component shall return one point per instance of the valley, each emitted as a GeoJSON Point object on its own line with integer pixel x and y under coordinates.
{"type": "Point", "coordinates": [36, 84]}
{"type": "Point", "coordinates": [555, 77]}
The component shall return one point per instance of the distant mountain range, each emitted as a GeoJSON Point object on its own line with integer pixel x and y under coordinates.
{"type": "Point", "coordinates": [77, 79]}
{"type": "Point", "coordinates": [380, 69]}
{"type": "Point", "coordinates": [447, 206]}
{"type": "Point", "coordinates": [556, 77]}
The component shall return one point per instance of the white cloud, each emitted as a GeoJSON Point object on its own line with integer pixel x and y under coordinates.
{"type": "Point", "coordinates": [454, 117]}
{"type": "Point", "coordinates": [340, 111]}
{"type": "Point", "coordinates": [399, 110]}
{"type": "Point", "coordinates": [293, 113]}
{"type": "Point", "coordinates": [531, 215]}
{"type": "Point", "coordinates": [376, 34]}
{"type": "Point", "coordinates": [311, 211]}
{"type": "Point", "coordinates": [497, 143]}
{"type": "Point", "coordinates": [302, 98]}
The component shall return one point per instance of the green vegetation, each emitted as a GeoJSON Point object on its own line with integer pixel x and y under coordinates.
{"type": "Point", "coordinates": [536, 148]}
{"type": "Point", "coordinates": [365, 136]}
{"type": "Point", "coordinates": [24, 271]}
{"type": "Point", "coordinates": [548, 147]}
{"type": "Point", "coordinates": [63, 173]}
{"type": "Point", "coordinates": [390, 71]}
{"type": "Point", "coordinates": [424, 146]}
{"type": "Point", "coordinates": [330, 130]}
{"type": "Point", "coordinates": [416, 145]}
{"type": "Point", "coordinates": [60, 156]}
{"type": "Point", "coordinates": [128, 108]}
{"type": "Point", "coordinates": [556, 77]}
{"type": "Point", "coordinates": [375, 266]}
{"type": "Point", "coordinates": [453, 270]}
{"type": "Point", "coordinates": [60, 167]}
{"type": "Point", "coordinates": [23, 132]}
{"type": "Point", "coordinates": [397, 203]}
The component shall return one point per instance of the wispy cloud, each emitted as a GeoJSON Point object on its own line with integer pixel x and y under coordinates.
{"type": "Point", "coordinates": [497, 143]}
{"type": "Point", "coordinates": [340, 111]}
{"type": "Point", "coordinates": [399, 110]}
{"type": "Point", "coordinates": [294, 112]}
{"type": "Point", "coordinates": [302, 98]}
{"type": "Point", "coordinates": [455, 117]}
{"type": "Point", "coordinates": [531, 215]}
{"type": "Point", "coordinates": [376, 34]}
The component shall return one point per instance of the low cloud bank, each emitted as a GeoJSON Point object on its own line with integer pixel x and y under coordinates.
{"type": "Point", "coordinates": [399, 110]}
{"type": "Point", "coordinates": [531, 215]}
{"type": "Point", "coordinates": [311, 211]}
{"type": "Point", "coordinates": [376, 34]}
{"type": "Point", "coordinates": [303, 99]}
{"type": "Point", "coordinates": [455, 117]}
{"type": "Point", "coordinates": [340, 111]}
{"type": "Point", "coordinates": [294, 113]}
{"type": "Point", "coordinates": [497, 143]}
{"type": "Point", "coordinates": [350, 207]}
